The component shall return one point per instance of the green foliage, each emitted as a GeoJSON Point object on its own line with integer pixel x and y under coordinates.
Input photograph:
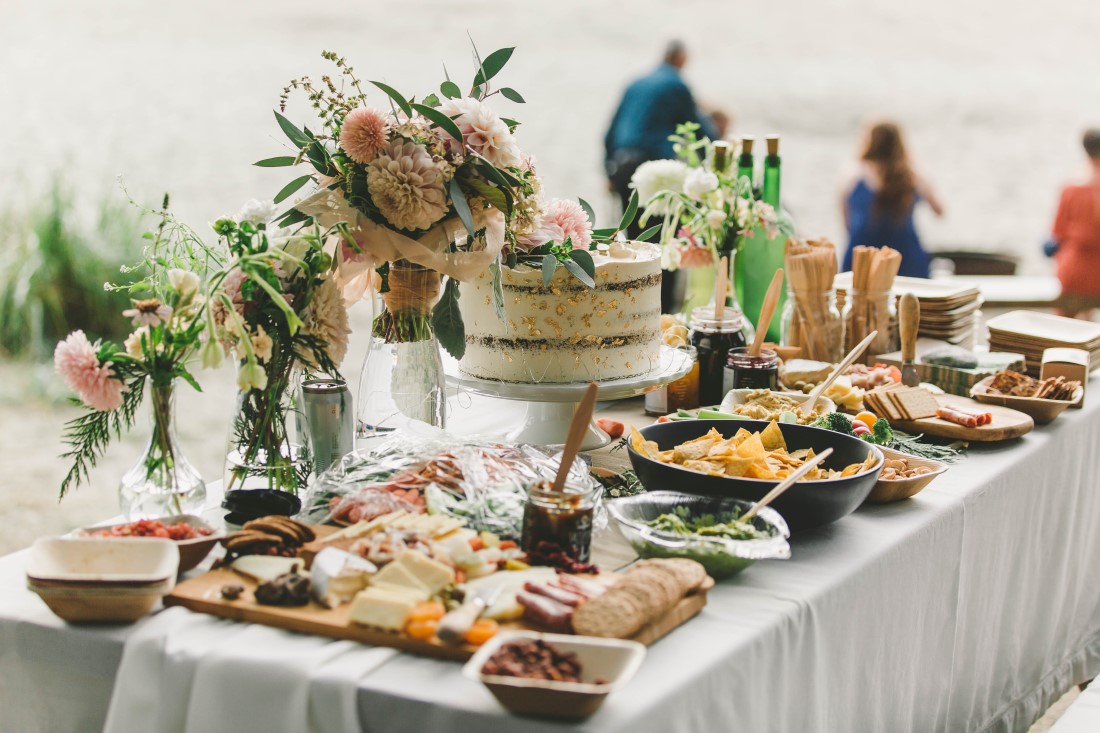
{"type": "Point", "coordinates": [89, 435]}
{"type": "Point", "coordinates": [53, 264]}
{"type": "Point", "coordinates": [447, 321]}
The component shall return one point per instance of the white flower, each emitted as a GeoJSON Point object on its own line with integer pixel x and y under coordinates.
{"type": "Point", "coordinates": [261, 344]}
{"type": "Point", "coordinates": [699, 182]}
{"type": "Point", "coordinates": [716, 218]}
{"type": "Point", "coordinates": [250, 375]}
{"type": "Point", "coordinates": [186, 283]}
{"type": "Point", "coordinates": [326, 318]}
{"type": "Point", "coordinates": [406, 186]}
{"type": "Point", "coordinates": [483, 131]}
{"type": "Point", "coordinates": [256, 212]}
{"type": "Point", "coordinates": [133, 342]}
{"type": "Point", "coordinates": [655, 176]}
{"type": "Point", "coordinates": [211, 354]}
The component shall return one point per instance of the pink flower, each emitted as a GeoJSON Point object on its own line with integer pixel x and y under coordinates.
{"type": "Point", "coordinates": [563, 219]}
{"type": "Point", "coordinates": [149, 312]}
{"type": "Point", "coordinates": [76, 361]}
{"type": "Point", "coordinates": [364, 133]}
{"type": "Point", "coordinates": [694, 256]}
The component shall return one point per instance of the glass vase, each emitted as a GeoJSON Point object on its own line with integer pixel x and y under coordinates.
{"type": "Point", "coordinates": [402, 380]}
{"type": "Point", "coordinates": [163, 482]}
{"type": "Point", "coordinates": [266, 448]}
{"type": "Point", "coordinates": [700, 292]}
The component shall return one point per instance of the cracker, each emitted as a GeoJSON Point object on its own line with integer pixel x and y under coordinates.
{"type": "Point", "coordinates": [610, 615]}
{"type": "Point", "coordinates": [689, 573]}
{"type": "Point", "coordinates": [660, 581]}
{"type": "Point", "coordinates": [918, 403]}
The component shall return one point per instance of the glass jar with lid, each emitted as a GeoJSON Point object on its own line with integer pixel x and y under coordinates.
{"type": "Point", "coordinates": [559, 520]}
{"type": "Point", "coordinates": [812, 322]}
{"type": "Point", "coordinates": [745, 371]}
{"type": "Point", "coordinates": [713, 335]}
{"type": "Point", "coordinates": [871, 310]}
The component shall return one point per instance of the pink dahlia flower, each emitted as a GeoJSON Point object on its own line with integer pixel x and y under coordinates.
{"type": "Point", "coordinates": [76, 361]}
{"type": "Point", "coordinates": [150, 312]}
{"type": "Point", "coordinates": [562, 219]}
{"type": "Point", "coordinates": [364, 133]}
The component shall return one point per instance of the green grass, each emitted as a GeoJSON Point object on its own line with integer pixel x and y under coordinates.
{"type": "Point", "coordinates": [53, 264]}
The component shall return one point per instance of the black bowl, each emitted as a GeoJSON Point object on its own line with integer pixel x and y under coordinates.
{"type": "Point", "coordinates": [806, 504]}
{"type": "Point", "coordinates": [245, 505]}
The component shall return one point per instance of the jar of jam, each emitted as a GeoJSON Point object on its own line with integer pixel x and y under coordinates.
{"type": "Point", "coordinates": [560, 518]}
{"type": "Point", "coordinates": [713, 338]}
{"type": "Point", "coordinates": [744, 371]}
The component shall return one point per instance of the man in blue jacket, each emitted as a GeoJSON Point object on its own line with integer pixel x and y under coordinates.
{"type": "Point", "coordinates": [649, 112]}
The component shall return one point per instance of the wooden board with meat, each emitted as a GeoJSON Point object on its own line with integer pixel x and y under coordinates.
{"type": "Point", "coordinates": [958, 419]}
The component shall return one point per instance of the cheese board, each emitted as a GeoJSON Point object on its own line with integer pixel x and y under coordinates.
{"type": "Point", "coordinates": [1007, 423]}
{"type": "Point", "coordinates": [203, 595]}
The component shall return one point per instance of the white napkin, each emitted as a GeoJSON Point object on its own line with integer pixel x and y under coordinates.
{"type": "Point", "coordinates": [184, 672]}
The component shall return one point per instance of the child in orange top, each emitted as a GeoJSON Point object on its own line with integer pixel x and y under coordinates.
{"type": "Point", "coordinates": [1076, 231]}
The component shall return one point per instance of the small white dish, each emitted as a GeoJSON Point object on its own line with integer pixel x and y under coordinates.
{"type": "Point", "coordinates": [613, 661]}
{"type": "Point", "coordinates": [103, 560]}
{"type": "Point", "coordinates": [737, 397]}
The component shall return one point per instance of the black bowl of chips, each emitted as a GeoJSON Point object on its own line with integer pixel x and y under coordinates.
{"type": "Point", "coordinates": [745, 459]}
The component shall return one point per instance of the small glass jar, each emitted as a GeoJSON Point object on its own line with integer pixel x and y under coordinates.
{"type": "Point", "coordinates": [871, 310]}
{"type": "Point", "coordinates": [560, 518]}
{"type": "Point", "coordinates": [812, 322]}
{"type": "Point", "coordinates": [713, 338]}
{"type": "Point", "coordinates": [744, 371]}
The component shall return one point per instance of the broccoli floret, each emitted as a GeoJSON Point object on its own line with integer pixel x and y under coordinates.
{"type": "Point", "coordinates": [834, 421]}
{"type": "Point", "coordinates": [881, 433]}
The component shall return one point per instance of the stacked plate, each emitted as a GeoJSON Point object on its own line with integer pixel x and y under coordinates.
{"type": "Point", "coordinates": [1030, 333]}
{"type": "Point", "coordinates": [946, 309]}
{"type": "Point", "coordinates": [105, 580]}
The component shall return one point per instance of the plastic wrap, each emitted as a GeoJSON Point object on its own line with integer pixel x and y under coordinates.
{"type": "Point", "coordinates": [480, 482]}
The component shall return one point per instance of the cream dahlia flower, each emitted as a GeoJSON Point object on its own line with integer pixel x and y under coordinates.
{"type": "Point", "coordinates": [364, 134]}
{"type": "Point", "coordinates": [483, 131]}
{"type": "Point", "coordinates": [406, 186]}
{"type": "Point", "coordinates": [326, 318]}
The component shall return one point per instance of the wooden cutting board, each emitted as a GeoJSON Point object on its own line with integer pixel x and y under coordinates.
{"type": "Point", "coordinates": [203, 594]}
{"type": "Point", "coordinates": [1007, 423]}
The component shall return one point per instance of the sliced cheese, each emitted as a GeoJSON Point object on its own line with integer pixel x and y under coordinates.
{"type": "Point", "coordinates": [263, 568]}
{"type": "Point", "coordinates": [397, 573]}
{"type": "Point", "coordinates": [506, 607]}
{"type": "Point", "coordinates": [412, 594]}
{"type": "Point", "coordinates": [434, 575]}
{"type": "Point", "coordinates": [338, 575]}
{"type": "Point", "coordinates": [381, 609]}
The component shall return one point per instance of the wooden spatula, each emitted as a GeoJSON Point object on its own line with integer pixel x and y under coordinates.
{"type": "Point", "coordinates": [767, 311]}
{"type": "Point", "coordinates": [807, 407]}
{"type": "Point", "coordinates": [581, 418]}
{"type": "Point", "coordinates": [787, 483]}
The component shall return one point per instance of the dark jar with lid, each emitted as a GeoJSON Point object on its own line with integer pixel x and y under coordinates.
{"type": "Point", "coordinates": [560, 518]}
{"type": "Point", "coordinates": [744, 371]}
{"type": "Point", "coordinates": [713, 337]}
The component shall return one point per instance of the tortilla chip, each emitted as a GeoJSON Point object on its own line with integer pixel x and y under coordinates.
{"type": "Point", "coordinates": [772, 437]}
{"type": "Point", "coordinates": [740, 436]}
{"type": "Point", "coordinates": [737, 467]}
{"type": "Point", "coordinates": [870, 462]}
{"type": "Point", "coordinates": [760, 469]}
{"type": "Point", "coordinates": [711, 469]}
{"type": "Point", "coordinates": [692, 450]}
{"type": "Point", "coordinates": [647, 448]}
{"type": "Point", "coordinates": [752, 447]}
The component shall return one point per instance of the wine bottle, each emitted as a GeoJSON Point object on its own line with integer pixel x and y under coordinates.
{"type": "Point", "coordinates": [746, 168]}
{"type": "Point", "coordinates": [771, 173]}
{"type": "Point", "coordinates": [722, 156]}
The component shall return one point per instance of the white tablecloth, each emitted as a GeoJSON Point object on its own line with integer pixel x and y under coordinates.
{"type": "Point", "coordinates": [969, 608]}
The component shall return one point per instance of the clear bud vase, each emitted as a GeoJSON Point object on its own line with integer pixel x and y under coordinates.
{"type": "Point", "coordinates": [163, 482]}
{"type": "Point", "coordinates": [402, 380]}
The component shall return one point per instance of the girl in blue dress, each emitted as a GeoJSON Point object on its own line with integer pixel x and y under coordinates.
{"type": "Point", "coordinates": [878, 205]}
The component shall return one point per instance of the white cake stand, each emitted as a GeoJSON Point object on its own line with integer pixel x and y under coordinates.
{"type": "Point", "coordinates": [550, 407]}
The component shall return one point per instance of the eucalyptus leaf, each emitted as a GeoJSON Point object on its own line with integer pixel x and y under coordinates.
{"type": "Point", "coordinates": [512, 94]}
{"type": "Point", "coordinates": [296, 136]}
{"type": "Point", "coordinates": [584, 259]}
{"type": "Point", "coordinates": [588, 210]}
{"type": "Point", "coordinates": [450, 90]}
{"type": "Point", "coordinates": [549, 265]}
{"type": "Point", "coordinates": [604, 233]}
{"type": "Point", "coordinates": [512, 124]}
{"type": "Point", "coordinates": [395, 96]}
{"type": "Point", "coordinates": [648, 233]}
{"type": "Point", "coordinates": [447, 321]}
{"type": "Point", "coordinates": [462, 206]}
{"type": "Point", "coordinates": [278, 162]}
{"type": "Point", "coordinates": [630, 213]}
{"type": "Point", "coordinates": [497, 197]}
{"type": "Point", "coordinates": [512, 260]}
{"type": "Point", "coordinates": [498, 290]}
{"type": "Point", "coordinates": [432, 100]}
{"type": "Point", "coordinates": [578, 272]}
{"type": "Point", "coordinates": [293, 217]}
{"type": "Point", "coordinates": [290, 188]}
{"type": "Point", "coordinates": [441, 120]}
{"type": "Point", "coordinates": [492, 65]}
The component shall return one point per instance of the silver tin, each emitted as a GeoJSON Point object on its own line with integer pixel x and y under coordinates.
{"type": "Point", "coordinates": [327, 408]}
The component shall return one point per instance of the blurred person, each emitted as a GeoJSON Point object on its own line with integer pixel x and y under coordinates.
{"type": "Point", "coordinates": [649, 112]}
{"type": "Point", "coordinates": [1075, 236]}
{"type": "Point", "coordinates": [878, 204]}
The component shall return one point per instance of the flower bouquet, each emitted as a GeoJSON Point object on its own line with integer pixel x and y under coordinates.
{"type": "Point", "coordinates": [278, 309]}
{"type": "Point", "coordinates": [168, 317]}
{"type": "Point", "coordinates": [705, 212]}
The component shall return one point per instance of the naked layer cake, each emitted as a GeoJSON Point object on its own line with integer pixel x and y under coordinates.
{"type": "Point", "coordinates": [567, 332]}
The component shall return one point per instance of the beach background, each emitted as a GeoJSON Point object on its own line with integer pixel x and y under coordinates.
{"type": "Point", "coordinates": [178, 97]}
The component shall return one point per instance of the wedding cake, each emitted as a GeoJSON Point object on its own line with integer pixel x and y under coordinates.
{"type": "Point", "coordinates": [567, 332]}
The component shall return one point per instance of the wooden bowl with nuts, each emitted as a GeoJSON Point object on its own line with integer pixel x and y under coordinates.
{"type": "Point", "coordinates": [903, 476]}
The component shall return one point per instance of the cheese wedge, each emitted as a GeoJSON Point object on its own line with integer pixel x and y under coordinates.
{"type": "Point", "coordinates": [263, 568]}
{"type": "Point", "coordinates": [397, 573]}
{"type": "Point", "coordinates": [338, 575]}
{"type": "Point", "coordinates": [381, 609]}
{"type": "Point", "coordinates": [411, 594]}
{"type": "Point", "coordinates": [433, 574]}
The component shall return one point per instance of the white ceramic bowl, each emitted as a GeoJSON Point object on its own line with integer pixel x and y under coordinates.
{"type": "Point", "coordinates": [612, 660]}
{"type": "Point", "coordinates": [103, 560]}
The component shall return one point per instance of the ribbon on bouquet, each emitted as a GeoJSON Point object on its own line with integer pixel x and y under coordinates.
{"type": "Point", "coordinates": [329, 207]}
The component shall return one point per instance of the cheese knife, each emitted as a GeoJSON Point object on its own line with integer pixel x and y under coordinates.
{"type": "Point", "coordinates": [453, 627]}
{"type": "Point", "coordinates": [908, 324]}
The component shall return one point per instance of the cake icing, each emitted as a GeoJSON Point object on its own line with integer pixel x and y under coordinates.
{"type": "Point", "coordinates": [567, 332]}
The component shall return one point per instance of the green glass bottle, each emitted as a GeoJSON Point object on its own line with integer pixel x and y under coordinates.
{"type": "Point", "coordinates": [771, 173]}
{"type": "Point", "coordinates": [746, 167]}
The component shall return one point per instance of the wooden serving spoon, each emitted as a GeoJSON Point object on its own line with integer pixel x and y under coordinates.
{"type": "Point", "coordinates": [577, 429]}
{"type": "Point", "coordinates": [767, 311]}
{"type": "Point", "coordinates": [787, 483]}
{"type": "Point", "coordinates": [721, 281]}
{"type": "Point", "coordinates": [807, 407]}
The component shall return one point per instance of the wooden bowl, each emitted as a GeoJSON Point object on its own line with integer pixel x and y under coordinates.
{"type": "Point", "coordinates": [192, 551]}
{"type": "Point", "coordinates": [1042, 411]}
{"type": "Point", "coordinates": [886, 492]}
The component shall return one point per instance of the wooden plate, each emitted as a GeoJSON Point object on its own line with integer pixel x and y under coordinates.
{"type": "Point", "coordinates": [886, 492]}
{"type": "Point", "coordinates": [1007, 423]}
{"type": "Point", "coordinates": [1042, 411]}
